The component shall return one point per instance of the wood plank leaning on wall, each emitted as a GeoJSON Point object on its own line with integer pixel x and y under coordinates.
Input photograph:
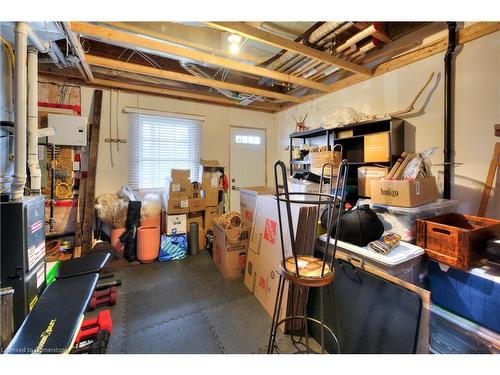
{"type": "Point", "coordinates": [86, 198]}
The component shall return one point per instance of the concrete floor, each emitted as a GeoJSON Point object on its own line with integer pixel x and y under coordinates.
{"type": "Point", "coordinates": [187, 307]}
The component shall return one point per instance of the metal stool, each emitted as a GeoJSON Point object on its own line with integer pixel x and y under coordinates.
{"type": "Point", "coordinates": [299, 266]}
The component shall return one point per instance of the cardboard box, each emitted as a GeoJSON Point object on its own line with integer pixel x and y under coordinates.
{"type": "Point", "coordinates": [248, 201]}
{"type": "Point", "coordinates": [180, 174]}
{"type": "Point", "coordinates": [178, 205]}
{"type": "Point", "coordinates": [367, 174]}
{"type": "Point", "coordinates": [179, 188]}
{"type": "Point", "coordinates": [177, 222]}
{"type": "Point", "coordinates": [196, 204]}
{"type": "Point", "coordinates": [211, 180]}
{"type": "Point", "coordinates": [377, 147]}
{"type": "Point", "coordinates": [230, 255]}
{"type": "Point", "coordinates": [265, 237]}
{"type": "Point", "coordinates": [211, 197]}
{"type": "Point", "coordinates": [262, 281]}
{"type": "Point", "coordinates": [210, 214]}
{"type": "Point", "coordinates": [404, 193]}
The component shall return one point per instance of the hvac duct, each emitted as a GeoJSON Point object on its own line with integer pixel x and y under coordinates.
{"type": "Point", "coordinates": [323, 31]}
{"type": "Point", "coordinates": [34, 168]}
{"type": "Point", "coordinates": [21, 47]}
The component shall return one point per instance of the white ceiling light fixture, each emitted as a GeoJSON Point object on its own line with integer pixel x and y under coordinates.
{"type": "Point", "coordinates": [234, 43]}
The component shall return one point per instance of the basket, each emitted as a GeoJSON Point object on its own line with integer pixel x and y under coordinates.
{"type": "Point", "coordinates": [318, 159]}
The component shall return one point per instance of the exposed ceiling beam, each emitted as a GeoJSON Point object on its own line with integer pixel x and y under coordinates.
{"type": "Point", "coordinates": [182, 94]}
{"type": "Point", "coordinates": [287, 44]}
{"type": "Point", "coordinates": [112, 36]}
{"type": "Point", "coordinates": [164, 92]}
{"type": "Point", "coordinates": [468, 34]}
{"type": "Point", "coordinates": [127, 26]}
{"type": "Point", "coordinates": [161, 73]}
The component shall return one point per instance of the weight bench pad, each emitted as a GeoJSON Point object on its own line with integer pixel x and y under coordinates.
{"type": "Point", "coordinates": [92, 263]}
{"type": "Point", "coordinates": [55, 320]}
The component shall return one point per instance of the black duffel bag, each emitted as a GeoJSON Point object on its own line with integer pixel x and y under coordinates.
{"type": "Point", "coordinates": [358, 225]}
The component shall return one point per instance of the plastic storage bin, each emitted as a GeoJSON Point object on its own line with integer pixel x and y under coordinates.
{"type": "Point", "coordinates": [474, 295]}
{"type": "Point", "coordinates": [403, 262]}
{"type": "Point", "coordinates": [451, 334]}
{"type": "Point", "coordinates": [402, 220]}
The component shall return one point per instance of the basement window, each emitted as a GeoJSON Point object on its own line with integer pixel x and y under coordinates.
{"type": "Point", "coordinates": [158, 144]}
{"type": "Point", "coordinates": [248, 139]}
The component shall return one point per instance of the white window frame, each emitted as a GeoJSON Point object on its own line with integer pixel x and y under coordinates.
{"type": "Point", "coordinates": [147, 168]}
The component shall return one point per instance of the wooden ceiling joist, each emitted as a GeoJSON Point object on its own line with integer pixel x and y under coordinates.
{"type": "Point", "coordinates": [181, 94]}
{"type": "Point", "coordinates": [181, 77]}
{"type": "Point", "coordinates": [289, 45]}
{"type": "Point", "coordinates": [113, 36]}
{"type": "Point", "coordinates": [470, 33]}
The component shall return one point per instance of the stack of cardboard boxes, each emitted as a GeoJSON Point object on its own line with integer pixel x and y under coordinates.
{"type": "Point", "coordinates": [211, 182]}
{"type": "Point", "coordinates": [176, 203]}
{"type": "Point", "coordinates": [187, 202]}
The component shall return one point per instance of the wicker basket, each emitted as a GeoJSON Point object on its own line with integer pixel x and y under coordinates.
{"type": "Point", "coordinates": [318, 159]}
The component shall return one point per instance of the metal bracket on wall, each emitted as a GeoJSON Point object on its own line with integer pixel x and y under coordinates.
{"type": "Point", "coordinates": [115, 140]}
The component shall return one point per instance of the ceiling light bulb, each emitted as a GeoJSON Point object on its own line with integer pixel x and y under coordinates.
{"type": "Point", "coordinates": [234, 38]}
{"type": "Point", "coordinates": [234, 48]}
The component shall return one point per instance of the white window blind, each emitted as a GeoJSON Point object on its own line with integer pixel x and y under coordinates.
{"type": "Point", "coordinates": [158, 144]}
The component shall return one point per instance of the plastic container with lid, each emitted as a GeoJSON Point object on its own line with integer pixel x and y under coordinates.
{"type": "Point", "coordinates": [401, 220]}
{"type": "Point", "coordinates": [403, 262]}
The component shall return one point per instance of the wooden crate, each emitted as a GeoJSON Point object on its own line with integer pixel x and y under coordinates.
{"type": "Point", "coordinates": [455, 239]}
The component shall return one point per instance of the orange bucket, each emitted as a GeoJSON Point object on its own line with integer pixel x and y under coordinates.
{"type": "Point", "coordinates": [115, 239]}
{"type": "Point", "coordinates": [152, 221]}
{"type": "Point", "coordinates": [148, 243]}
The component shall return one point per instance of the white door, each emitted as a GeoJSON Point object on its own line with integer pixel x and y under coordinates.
{"type": "Point", "coordinates": [247, 161]}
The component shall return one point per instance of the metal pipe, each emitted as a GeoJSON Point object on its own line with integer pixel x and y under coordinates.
{"type": "Point", "coordinates": [34, 168]}
{"type": "Point", "coordinates": [77, 47]}
{"type": "Point", "coordinates": [448, 103]}
{"type": "Point", "coordinates": [21, 44]}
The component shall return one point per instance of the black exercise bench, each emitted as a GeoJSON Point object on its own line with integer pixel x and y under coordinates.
{"type": "Point", "coordinates": [53, 324]}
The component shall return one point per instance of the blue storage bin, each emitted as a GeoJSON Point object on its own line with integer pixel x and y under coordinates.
{"type": "Point", "coordinates": [474, 295]}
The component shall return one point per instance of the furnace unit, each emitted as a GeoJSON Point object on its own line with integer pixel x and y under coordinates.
{"type": "Point", "coordinates": [22, 252]}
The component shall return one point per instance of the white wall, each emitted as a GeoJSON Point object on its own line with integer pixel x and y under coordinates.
{"type": "Point", "coordinates": [215, 133]}
{"type": "Point", "coordinates": [477, 93]}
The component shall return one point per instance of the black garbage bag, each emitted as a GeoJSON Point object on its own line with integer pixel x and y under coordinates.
{"type": "Point", "coordinates": [359, 225]}
{"type": "Point", "coordinates": [129, 237]}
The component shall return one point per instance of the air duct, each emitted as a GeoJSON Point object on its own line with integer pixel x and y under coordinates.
{"type": "Point", "coordinates": [21, 43]}
{"type": "Point", "coordinates": [34, 168]}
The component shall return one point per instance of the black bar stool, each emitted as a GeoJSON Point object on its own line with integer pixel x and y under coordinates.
{"type": "Point", "coordinates": [299, 267]}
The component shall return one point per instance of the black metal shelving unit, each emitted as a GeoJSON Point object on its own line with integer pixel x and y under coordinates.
{"type": "Point", "coordinates": [352, 145]}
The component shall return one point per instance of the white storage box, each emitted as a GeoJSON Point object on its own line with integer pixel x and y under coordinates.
{"type": "Point", "coordinates": [402, 262]}
{"type": "Point", "coordinates": [304, 186]}
{"type": "Point", "coordinates": [401, 220]}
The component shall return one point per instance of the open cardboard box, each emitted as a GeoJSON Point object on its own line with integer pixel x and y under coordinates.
{"type": "Point", "coordinates": [404, 193]}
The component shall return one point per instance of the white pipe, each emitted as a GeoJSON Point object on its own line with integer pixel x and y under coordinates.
{"type": "Point", "coordinates": [21, 44]}
{"type": "Point", "coordinates": [34, 167]}
{"type": "Point", "coordinates": [42, 46]}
